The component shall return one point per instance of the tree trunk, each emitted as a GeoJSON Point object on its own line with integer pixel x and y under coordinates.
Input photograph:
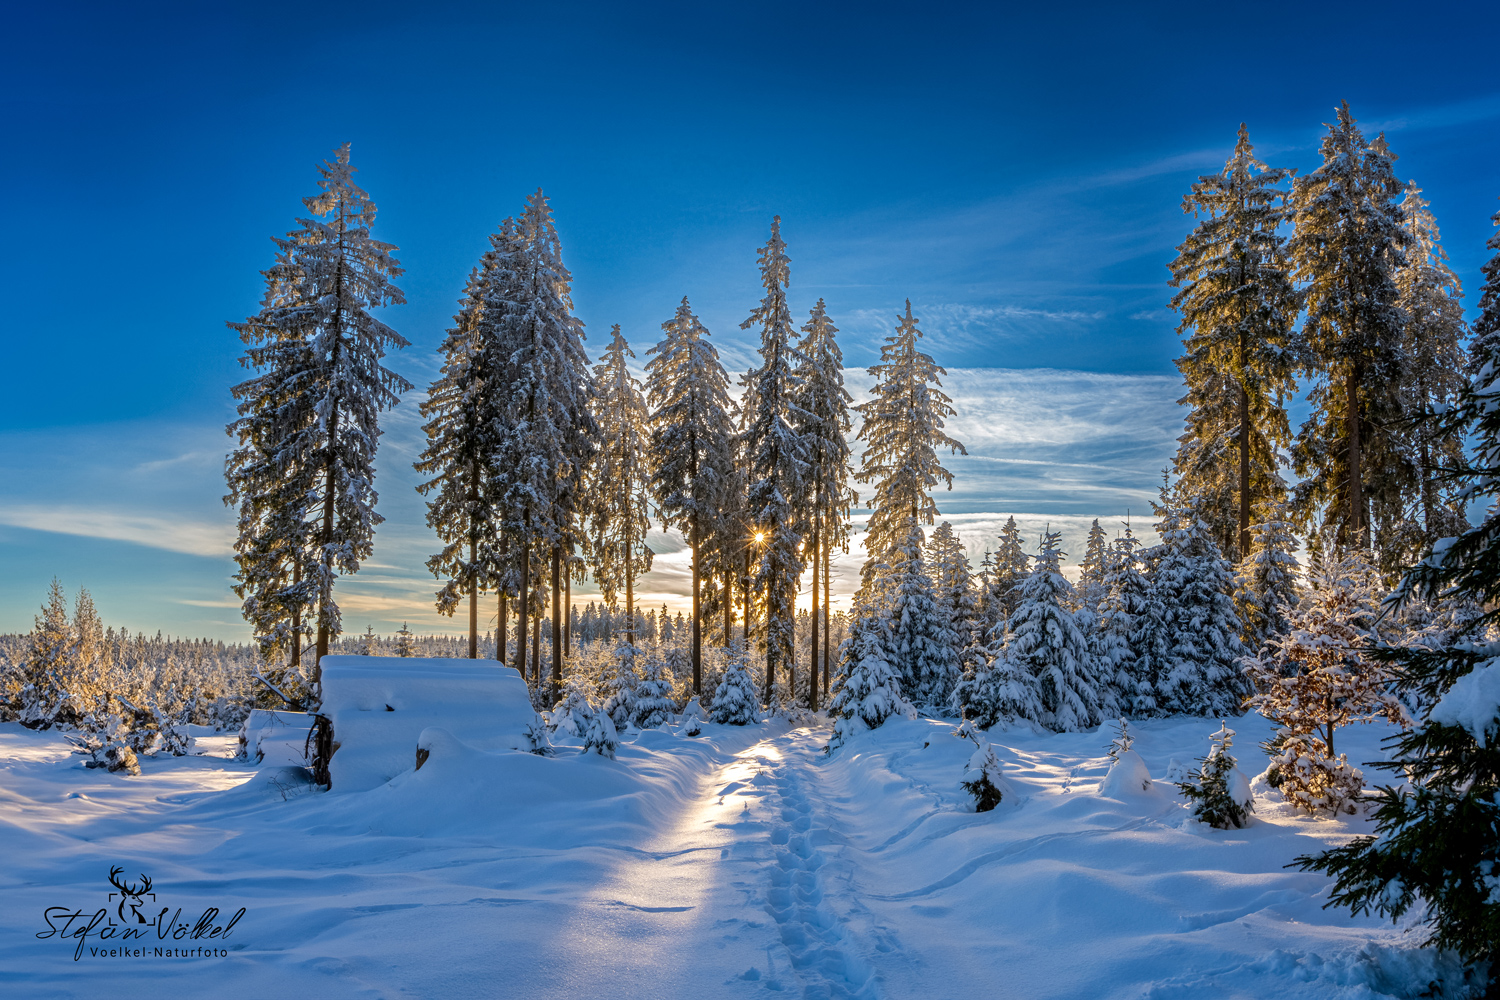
{"type": "Point", "coordinates": [697, 621]}
{"type": "Point", "coordinates": [557, 613]}
{"type": "Point", "coordinates": [328, 481]}
{"type": "Point", "coordinates": [1359, 533]}
{"type": "Point", "coordinates": [296, 615]}
{"type": "Point", "coordinates": [536, 652]}
{"type": "Point", "coordinates": [1244, 455]}
{"type": "Point", "coordinates": [568, 610]}
{"type": "Point", "coordinates": [500, 628]}
{"type": "Point", "coordinates": [812, 660]}
{"type": "Point", "coordinates": [523, 611]}
{"type": "Point", "coordinates": [827, 617]}
{"type": "Point", "coordinates": [473, 607]}
{"type": "Point", "coordinates": [629, 604]}
{"type": "Point", "coordinates": [728, 606]}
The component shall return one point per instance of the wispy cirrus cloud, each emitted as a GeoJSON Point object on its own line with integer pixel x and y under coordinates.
{"type": "Point", "coordinates": [172, 534]}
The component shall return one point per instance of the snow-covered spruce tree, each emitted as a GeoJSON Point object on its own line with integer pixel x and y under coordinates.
{"type": "Point", "coordinates": [574, 710]}
{"type": "Point", "coordinates": [1432, 366]}
{"type": "Point", "coordinates": [824, 426]}
{"type": "Point", "coordinates": [44, 700]}
{"type": "Point", "coordinates": [1001, 691]}
{"type": "Point", "coordinates": [869, 687]}
{"type": "Point", "coordinates": [921, 646]}
{"type": "Point", "coordinates": [1238, 308]}
{"type": "Point", "coordinates": [1219, 794]}
{"type": "Point", "coordinates": [405, 646]}
{"type": "Point", "coordinates": [1267, 586]}
{"type": "Point", "coordinates": [956, 596]}
{"type": "Point", "coordinates": [548, 429]}
{"type": "Point", "coordinates": [1321, 676]}
{"type": "Point", "coordinates": [1192, 584]}
{"type": "Point", "coordinates": [902, 430]}
{"type": "Point", "coordinates": [619, 481]}
{"type": "Point", "coordinates": [983, 778]}
{"type": "Point", "coordinates": [735, 699]}
{"type": "Point", "coordinates": [1486, 342]}
{"type": "Point", "coordinates": [1121, 618]}
{"type": "Point", "coordinates": [776, 458]}
{"type": "Point", "coordinates": [601, 737]}
{"type": "Point", "coordinates": [621, 685]}
{"type": "Point", "coordinates": [462, 431]}
{"type": "Point", "coordinates": [1437, 843]}
{"type": "Point", "coordinates": [1010, 566]}
{"type": "Point", "coordinates": [1347, 246]}
{"type": "Point", "coordinates": [653, 695]}
{"type": "Point", "coordinates": [1045, 640]}
{"type": "Point", "coordinates": [1093, 568]}
{"type": "Point", "coordinates": [328, 276]}
{"type": "Point", "coordinates": [688, 392]}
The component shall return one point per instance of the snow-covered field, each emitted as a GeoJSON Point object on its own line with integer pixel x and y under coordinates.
{"type": "Point", "coordinates": [741, 861]}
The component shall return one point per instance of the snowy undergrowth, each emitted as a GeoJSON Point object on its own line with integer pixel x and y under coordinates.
{"type": "Point", "coordinates": [743, 862]}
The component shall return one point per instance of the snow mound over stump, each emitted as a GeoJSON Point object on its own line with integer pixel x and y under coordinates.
{"type": "Point", "coordinates": [379, 706]}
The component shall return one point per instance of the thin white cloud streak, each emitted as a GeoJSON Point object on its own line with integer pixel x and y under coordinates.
{"type": "Point", "coordinates": [194, 538]}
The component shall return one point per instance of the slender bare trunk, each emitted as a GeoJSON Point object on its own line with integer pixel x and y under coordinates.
{"type": "Point", "coordinates": [523, 611]}
{"type": "Point", "coordinates": [827, 617]}
{"type": "Point", "coordinates": [500, 629]}
{"type": "Point", "coordinates": [1244, 455]}
{"type": "Point", "coordinates": [697, 619]}
{"type": "Point", "coordinates": [536, 651]}
{"type": "Point", "coordinates": [1359, 533]}
{"type": "Point", "coordinates": [328, 480]}
{"type": "Point", "coordinates": [568, 611]}
{"type": "Point", "coordinates": [473, 613]}
{"type": "Point", "coordinates": [812, 661]}
{"type": "Point", "coordinates": [557, 613]}
{"type": "Point", "coordinates": [296, 614]}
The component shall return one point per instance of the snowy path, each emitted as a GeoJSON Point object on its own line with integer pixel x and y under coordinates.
{"type": "Point", "coordinates": [746, 863]}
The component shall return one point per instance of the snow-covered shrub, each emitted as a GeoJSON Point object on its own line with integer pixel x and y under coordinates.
{"type": "Point", "coordinates": [735, 700]}
{"type": "Point", "coordinates": [1219, 794]}
{"type": "Point", "coordinates": [1319, 677]}
{"type": "Point", "coordinates": [572, 712]}
{"type": "Point", "coordinates": [1312, 781]}
{"type": "Point", "coordinates": [869, 689]}
{"type": "Point", "coordinates": [600, 737]}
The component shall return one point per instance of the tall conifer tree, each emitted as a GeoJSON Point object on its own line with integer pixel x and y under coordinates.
{"type": "Point", "coordinates": [825, 425]}
{"type": "Point", "coordinates": [462, 441]}
{"type": "Point", "coordinates": [902, 431]}
{"type": "Point", "coordinates": [1347, 247]}
{"type": "Point", "coordinates": [1238, 308]}
{"type": "Point", "coordinates": [690, 441]}
{"type": "Point", "coordinates": [619, 480]}
{"type": "Point", "coordinates": [328, 275]}
{"type": "Point", "coordinates": [776, 457]}
{"type": "Point", "coordinates": [1432, 367]}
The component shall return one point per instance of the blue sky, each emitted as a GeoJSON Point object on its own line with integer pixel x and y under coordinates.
{"type": "Point", "coordinates": [1016, 171]}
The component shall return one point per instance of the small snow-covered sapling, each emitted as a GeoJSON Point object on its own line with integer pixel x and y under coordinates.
{"type": "Point", "coordinates": [1120, 743]}
{"type": "Point", "coordinates": [982, 773]}
{"type": "Point", "coordinates": [1213, 792]}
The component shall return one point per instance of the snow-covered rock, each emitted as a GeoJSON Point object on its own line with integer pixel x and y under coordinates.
{"type": "Point", "coordinates": [380, 706]}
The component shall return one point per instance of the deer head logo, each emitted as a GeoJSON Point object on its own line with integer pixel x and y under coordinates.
{"type": "Point", "coordinates": [130, 894]}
